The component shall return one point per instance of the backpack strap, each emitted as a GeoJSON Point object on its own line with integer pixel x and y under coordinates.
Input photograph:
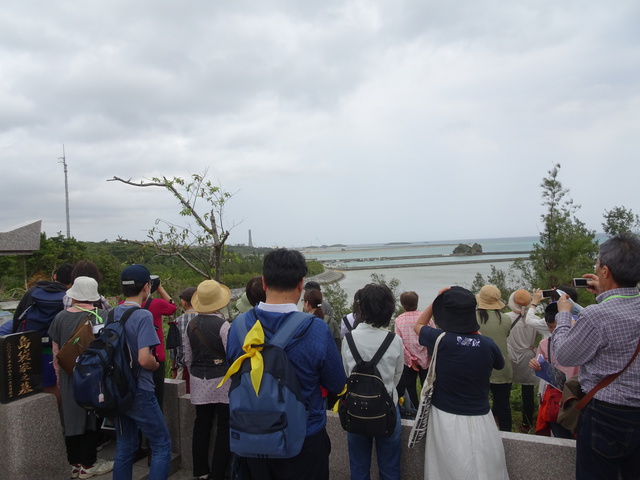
{"type": "Point", "coordinates": [288, 329]}
{"type": "Point", "coordinates": [284, 334]}
{"type": "Point", "coordinates": [515, 322]}
{"type": "Point", "coordinates": [346, 323]}
{"type": "Point", "coordinates": [125, 316]}
{"type": "Point", "coordinates": [136, 368]}
{"type": "Point", "coordinates": [378, 355]}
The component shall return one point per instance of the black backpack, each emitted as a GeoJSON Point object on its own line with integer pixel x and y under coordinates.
{"type": "Point", "coordinates": [367, 408]}
{"type": "Point", "coordinates": [105, 379]}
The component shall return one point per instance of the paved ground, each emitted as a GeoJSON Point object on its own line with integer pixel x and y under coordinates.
{"type": "Point", "coordinates": [140, 468]}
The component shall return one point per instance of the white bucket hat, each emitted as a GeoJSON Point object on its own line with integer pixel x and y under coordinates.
{"type": "Point", "coordinates": [84, 289]}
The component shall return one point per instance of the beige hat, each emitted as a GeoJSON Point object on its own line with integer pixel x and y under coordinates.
{"type": "Point", "coordinates": [518, 300]}
{"type": "Point", "coordinates": [210, 296]}
{"type": "Point", "coordinates": [489, 298]}
{"type": "Point", "coordinates": [84, 289]}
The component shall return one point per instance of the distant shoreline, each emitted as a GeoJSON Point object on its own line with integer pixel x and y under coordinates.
{"type": "Point", "coordinates": [433, 264]}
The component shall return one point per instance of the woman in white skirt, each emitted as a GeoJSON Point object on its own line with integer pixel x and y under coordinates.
{"type": "Point", "coordinates": [462, 442]}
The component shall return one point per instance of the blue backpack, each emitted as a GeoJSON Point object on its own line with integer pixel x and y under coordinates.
{"type": "Point", "coordinates": [105, 378]}
{"type": "Point", "coordinates": [272, 424]}
{"type": "Point", "coordinates": [44, 306]}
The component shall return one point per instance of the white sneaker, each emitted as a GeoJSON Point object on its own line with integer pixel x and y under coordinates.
{"type": "Point", "coordinates": [99, 468]}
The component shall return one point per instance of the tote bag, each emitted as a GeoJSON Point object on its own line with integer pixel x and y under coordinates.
{"type": "Point", "coordinates": [421, 423]}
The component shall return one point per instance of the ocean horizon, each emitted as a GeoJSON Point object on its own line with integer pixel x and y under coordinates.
{"type": "Point", "coordinates": [425, 276]}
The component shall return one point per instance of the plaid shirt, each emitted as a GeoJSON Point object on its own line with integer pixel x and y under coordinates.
{"type": "Point", "coordinates": [601, 342]}
{"type": "Point", "coordinates": [183, 322]}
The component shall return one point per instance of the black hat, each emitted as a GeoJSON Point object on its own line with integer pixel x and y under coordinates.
{"type": "Point", "coordinates": [455, 311]}
{"type": "Point", "coordinates": [187, 293]}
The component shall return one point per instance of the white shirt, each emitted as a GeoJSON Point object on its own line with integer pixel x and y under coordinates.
{"type": "Point", "coordinates": [368, 340]}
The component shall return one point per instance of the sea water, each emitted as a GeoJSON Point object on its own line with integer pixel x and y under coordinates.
{"type": "Point", "coordinates": [425, 276]}
{"type": "Point", "coordinates": [425, 281]}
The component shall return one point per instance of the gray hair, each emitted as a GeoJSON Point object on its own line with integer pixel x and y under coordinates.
{"type": "Point", "coordinates": [621, 254]}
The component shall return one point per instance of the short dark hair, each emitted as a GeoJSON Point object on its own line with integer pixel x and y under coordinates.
{"type": "Point", "coordinates": [133, 289]}
{"type": "Point", "coordinates": [621, 254]}
{"type": "Point", "coordinates": [63, 273]}
{"type": "Point", "coordinates": [312, 285]}
{"type": "Point", "coordinates": [255, 292]}
{"type": "Point", "coordinates": [572, 292]}
{"type": "Point", "coordinates": [409, 301]}
{"type": "Point", "coordinates": [86, 268]}
{"type": "Point", "coordinates": [283, 269]}
{"type": "Point", "coordinates": [377, 305]}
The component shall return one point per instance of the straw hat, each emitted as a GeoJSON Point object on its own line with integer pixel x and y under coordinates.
{"type": "Point", "coordinates": [455, 311]}
{"type": "Point", "coordinates": [489, 298]}
{"type": "Point", "coordinates": [84, 289]}
{"type": "Point", "coordinates": [210, 296]}
{"type": "Point", "coordinates": [518, 300]}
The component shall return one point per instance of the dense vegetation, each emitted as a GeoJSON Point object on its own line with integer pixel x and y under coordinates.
{"type": "Point", "coordinates": [239, 264]}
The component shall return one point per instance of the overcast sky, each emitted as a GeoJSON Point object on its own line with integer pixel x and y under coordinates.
{"type": "Point", "coordinates": [333, 122]}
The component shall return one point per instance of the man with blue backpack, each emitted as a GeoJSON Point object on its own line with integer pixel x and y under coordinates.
{"type": "Point", "coordinates": [281, 355]}
{"type": "Point", "coordinates": [145, 413]}
{"type": "Point", "coordinates": [36, 310]}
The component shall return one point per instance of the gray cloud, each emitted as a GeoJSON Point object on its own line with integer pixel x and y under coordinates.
{"type": "Point", "coordinates": [355, 121]}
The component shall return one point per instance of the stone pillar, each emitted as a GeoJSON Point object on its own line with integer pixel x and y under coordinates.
{"type": "Point", "coordinates": [32, 442]}
{"type": "Point", "coordinates": [173, 390]}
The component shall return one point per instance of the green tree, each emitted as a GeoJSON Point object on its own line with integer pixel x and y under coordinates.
{"type": "Point", "coordinates": [200, 246]}
{"type": "Point", "coordinates": [620, 220]}
{"type": "Point", "coordinates": [338, 299]}
{"type": "Point", "coordinates": [567, 248]}
{"type": "Point", "coordinates": [497, 277]}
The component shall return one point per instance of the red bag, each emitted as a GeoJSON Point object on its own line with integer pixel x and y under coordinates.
{"type": "Point", "coordinates": [548, 411]}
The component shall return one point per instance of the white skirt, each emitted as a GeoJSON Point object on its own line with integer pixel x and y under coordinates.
{"type": "Point", "coordinates": [463, 447]}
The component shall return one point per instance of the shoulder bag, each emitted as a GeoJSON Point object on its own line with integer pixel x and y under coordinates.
{"type": "Point", "coordinates": [77, 343]}
{"type": "Point", "coordinates": [419, 429]}
{"type": "Point", "coordinates": [574, 400]}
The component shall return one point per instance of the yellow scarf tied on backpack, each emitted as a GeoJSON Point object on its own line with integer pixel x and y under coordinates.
{"type": "Point", "coordinates": [252, 346]}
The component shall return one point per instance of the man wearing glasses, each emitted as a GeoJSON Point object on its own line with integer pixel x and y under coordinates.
{"type": "Point", "coordinates": [604, 341]}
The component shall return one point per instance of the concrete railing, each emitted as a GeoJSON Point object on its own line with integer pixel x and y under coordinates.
{"type": "Point", "coordinates": [528, 456]}
{"type": "Point", "coordinates": [31, 442]}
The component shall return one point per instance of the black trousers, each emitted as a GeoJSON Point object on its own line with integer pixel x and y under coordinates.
{"type": "Point", "coordinates": [312, 463]}
{"type": "Point", "coordinates": [501, 407]}
{"type": "Point", "coordinates": [410, 376]}
{"type": "Point", "coordinates": [82, 449]}
{"type": "Point", "coordinates": [200, 441]}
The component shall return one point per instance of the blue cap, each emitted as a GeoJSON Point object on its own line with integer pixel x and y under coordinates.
{"type": "Point", "coordinates": [135, 274]}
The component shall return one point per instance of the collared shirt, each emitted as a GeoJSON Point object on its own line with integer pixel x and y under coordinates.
{"type": "Point", "coordinates": [601, 342]}
{"type": "Point", "coordinates": [415, 355]}
{"type": "Point", "coordinates": [183, 322]}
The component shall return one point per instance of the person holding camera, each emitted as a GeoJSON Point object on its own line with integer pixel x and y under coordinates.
{"type": "Point", "coordinates": [159, 307]}
{"type": "Point", "coordinates": [604, 342]}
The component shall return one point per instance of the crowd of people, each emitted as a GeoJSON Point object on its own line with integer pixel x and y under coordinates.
{"type": "Point", "coordinates": [482, 352]}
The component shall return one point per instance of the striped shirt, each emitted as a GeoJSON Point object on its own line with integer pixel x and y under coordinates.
{"type": "Point", "coordinates": [601, 342]}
